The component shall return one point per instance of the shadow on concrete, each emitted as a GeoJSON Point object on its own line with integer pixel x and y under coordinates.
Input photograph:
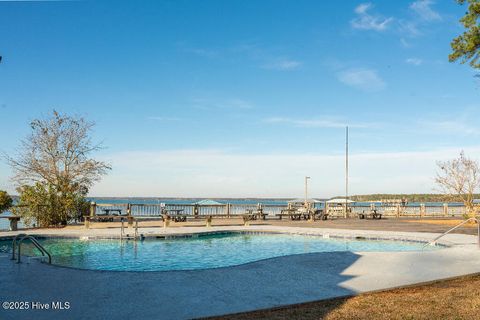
{"type": "Point", "coordinates": [293, 280]}
{"type": "Point", "coordinates": [174, 294]}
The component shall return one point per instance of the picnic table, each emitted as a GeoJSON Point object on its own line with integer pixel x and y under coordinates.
{"type": "Point", "coordinates": [373, 214]}
{"type": "Point", "coordinates": [255, 214]}
{"type": "Point", "coordinates": [109, 214]}
{"type": "Point", "coordinates": [113, 212]}
{"type": "Point", "coordinates": [293, 213]}
{"type": "Point", "coordinates": [177, 215]}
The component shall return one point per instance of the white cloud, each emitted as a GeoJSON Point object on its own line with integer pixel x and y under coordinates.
{"type": "Point", "coordinates": [409, 28]}
{"type": "Point", "coordinates": [283, 65]}
{"type": "Point", "coordinates": [362, 8]}
{"type": "Point", "coordinates": [364, 79]}
{"type": "Point", "coordinates": [454, 127]}
{"type": "Point", "coordinates": [404, 43]}
{"type": "Point", "coordinates": [414, 61]}
{"type": "Point", "coordinates": [201, 52]}
{"type": "Point", "coordinates": [423, 15]}
{"type": "Point", "coordinates": [215, 173]}
{"type": "Point", "coordinates": [211, 104]}
{"type": "Point", "coordinates": [424, 10]}
{"type": "Point", "coordinates": [314, 123]}
{"type": "Point", "coordinates": [367, 21]}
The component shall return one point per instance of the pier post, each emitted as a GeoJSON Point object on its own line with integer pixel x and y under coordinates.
{"type": "Point", "coordinates": [166, 220]}
{"type": "Point", "coordinates": [93, 210]}
{"type": "Point", "coordinates": [195, 210]}
{"type": "Point", "coordinates": [208, 221]}
{"type": "Point", "coordinates": [422, 210]}
{"type": "Point", "coordinates": [398, 211]}
{"type": "Point", "coordinates": [445, 209]}
{"type": "Point", "coordinates": [129, 215]}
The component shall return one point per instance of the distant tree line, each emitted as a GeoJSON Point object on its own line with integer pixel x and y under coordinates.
{"type": "Point", "coordinates": [415, 197]}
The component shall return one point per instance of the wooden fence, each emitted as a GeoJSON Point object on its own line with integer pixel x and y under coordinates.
{"type": "Point", "coordinates": [387, 210]}
{"type": "Point", "coordinates": [419, 211]}
{"type": "Point", "coordinates": [139, 210]}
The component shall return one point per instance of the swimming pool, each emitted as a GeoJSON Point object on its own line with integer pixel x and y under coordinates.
{"type": "Point", "coordinates": [198, 252]}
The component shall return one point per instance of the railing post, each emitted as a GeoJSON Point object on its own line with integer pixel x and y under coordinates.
{"type": "Point", "coordinates": [227, 209]}
{"type": "Point", "coordinates": [422, 210]}
{"type": "Point", "coordinates": [208, 221]}
{"type": "Point", "coordinates": [166, 220]}
{"type": "Point", "coordinates": [398, 211]}
{"type": "Point", "coordinates": [93, 209]}
{"type": "Point", "coordinates": [195, 210]}
{"type": "Point", "coordinates": [445, 209]}
{"type": "Point", "coordinates": [129, 215]}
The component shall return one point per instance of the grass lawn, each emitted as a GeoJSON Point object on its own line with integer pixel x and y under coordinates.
{"type": "Point", "coordinates": [450, 299]}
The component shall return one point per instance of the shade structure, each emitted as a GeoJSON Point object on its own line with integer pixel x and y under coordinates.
{"type": "Point", "coordinates": [339, 201]}
{"type": "Point", "coordinates": [300, 200]}
{"type": "Point", "coordinates": [207, 202]}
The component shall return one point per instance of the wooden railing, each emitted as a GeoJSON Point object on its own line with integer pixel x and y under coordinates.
{"type": "Point", "coordinates": [420, 210]}
{"type": "Point", "coordinates": [188, 209]}
{"type": "Point", "coordinates": [387, 210]}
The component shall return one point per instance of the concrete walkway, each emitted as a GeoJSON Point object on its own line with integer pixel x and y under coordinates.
{"type": "Point", "coordinates": [261, 284]}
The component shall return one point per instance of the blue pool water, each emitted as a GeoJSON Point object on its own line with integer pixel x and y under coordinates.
{"type": "Point", "coordinates": [207, 251]}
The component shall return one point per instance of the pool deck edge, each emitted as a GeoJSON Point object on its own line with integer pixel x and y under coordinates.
{"type": "Point", "coordinates": [258, 285]}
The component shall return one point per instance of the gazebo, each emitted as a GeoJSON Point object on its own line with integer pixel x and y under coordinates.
{"type": "Point", "coordinates": [300, 202]}
{"type": "Point", "coordinates": [339, 201]}
{"type": "Point", "coordinates": [207, 202]}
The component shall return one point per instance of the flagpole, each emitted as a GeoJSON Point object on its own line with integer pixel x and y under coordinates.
{"type": "Point", "coordinates": [346, 171]}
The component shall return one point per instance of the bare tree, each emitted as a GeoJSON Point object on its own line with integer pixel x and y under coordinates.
{"type": "Point", "coordinates": [459, 178]}
{"type": "Point", "coordinates": [57, 152]}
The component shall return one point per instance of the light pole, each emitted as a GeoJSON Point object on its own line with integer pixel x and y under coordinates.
{"type": "Point", "coordinates": [306, 191]}
{"type": "Point", "coordinates": [346, 172]}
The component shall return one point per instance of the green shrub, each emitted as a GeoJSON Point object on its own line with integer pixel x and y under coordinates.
{"type": "Point", "coordinates": [5, 201]}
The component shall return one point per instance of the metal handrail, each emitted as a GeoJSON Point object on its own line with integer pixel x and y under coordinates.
{"type": "Point", "coordinates": [32, 239]}
{"type": "Point", "coordinates": [122, 231]}
{"type": "Point", "coordinates": [14, 244]}
{"type": "Point", "coordinates": [457, 226]}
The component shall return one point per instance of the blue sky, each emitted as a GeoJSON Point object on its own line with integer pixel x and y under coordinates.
{"type": "Point", "coordinates": [244, 98]}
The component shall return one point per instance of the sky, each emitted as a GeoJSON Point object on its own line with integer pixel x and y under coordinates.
{"type": "Point", "coordinates": [244, 98]}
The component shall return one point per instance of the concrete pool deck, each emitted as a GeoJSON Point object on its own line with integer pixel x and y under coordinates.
{"type": "Point", "coordinates": [199, 293]}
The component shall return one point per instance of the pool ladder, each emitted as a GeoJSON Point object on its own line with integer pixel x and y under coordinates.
{"type": "Point", "coordinates": [123, 235]}
{"type": "Point", "coordinates": [457, 226]}
{"type": "Point", "coordinates": [22, 236]}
